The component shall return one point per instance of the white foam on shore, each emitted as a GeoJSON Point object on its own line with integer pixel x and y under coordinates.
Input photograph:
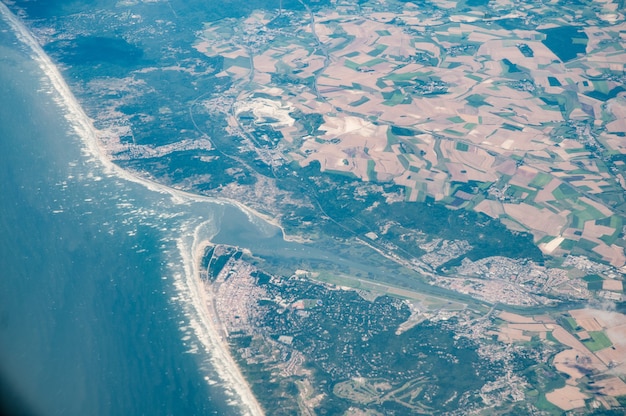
{"type": "Point", "coordinates": [189, 285]}
{"type": "Point", "coordinates": [206, 327]}
{"type": "Point", "coordinates": [85, 130]}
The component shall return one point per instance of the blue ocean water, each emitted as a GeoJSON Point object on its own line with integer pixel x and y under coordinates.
{"type": "Point", "coordinates": [97, 314]}
{"type": "Point", "coordinates": [87, 321]}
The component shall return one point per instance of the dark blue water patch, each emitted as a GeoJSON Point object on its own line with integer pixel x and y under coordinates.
{"type": "Point", "coordinates": [565, 41]}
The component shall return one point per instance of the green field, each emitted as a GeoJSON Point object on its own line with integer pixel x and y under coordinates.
{"type": "Point", "coordinates": [569, 323]}
{"type": "Point", "coordinates": [614, 222]}
{"type": "Point", "coordinates": [598, 341]}
{"type": "Point", "coordinates": [358, 102]}
{"type": "Point", "coordinates": [461, 147]}
{"type": "Point", "coordinates": [564, 191]}
{"type": "Point", "coordinates": [378, 49]}
{"type": "Point", "coordinates": [371, 172]}
{"type": "Point", "coordinates": [592, 278]}
{"type": "Point", "coordinates": [351, 64]}
{"type": "Point", "coordinates": [240, 61]}
{"type": "Point", "coordinates": [429, 301]}
{"type": "Point", "coordinates": [374, 61]}
{"type": "Point", "coordinates": [477, 100]}
{"type": "Point", "coordinates": [456, 119]}
{"type": "Point", "coordinates": [407, 76]}
{"type": "Point", "coordinates": [395, 98]}
{"type": "Point", "coordinates": [541, 180]}
{"type": "Point", "coordinates": [454, 132]}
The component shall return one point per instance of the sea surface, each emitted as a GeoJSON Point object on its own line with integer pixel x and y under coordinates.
{"type": "Point", "coordinates": [100, 310]}
{"type": "Point", "coordinates": [98, 306]}
{"type": "Point", "coordinates": [93, 312]}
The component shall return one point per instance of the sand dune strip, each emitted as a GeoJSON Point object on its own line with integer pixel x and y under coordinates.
{"type": "Point", "coordinates": [207, 332]}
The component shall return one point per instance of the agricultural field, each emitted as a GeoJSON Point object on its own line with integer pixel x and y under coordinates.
{"type": "Point", "coordinates": [477, 112]}
{"type": "Point", "coordinates": [591, 353]}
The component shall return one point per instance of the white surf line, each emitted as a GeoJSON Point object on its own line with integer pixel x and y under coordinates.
{"type": "Point", "coordinates": [228, 371]}
{"type": "Point", "coordinates": [208, 328]}
{"type": "Point", "coordinates": [88, 133]}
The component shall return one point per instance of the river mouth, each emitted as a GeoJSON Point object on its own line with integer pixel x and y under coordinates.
{"type": "Point", "coordinates": [94, 318]}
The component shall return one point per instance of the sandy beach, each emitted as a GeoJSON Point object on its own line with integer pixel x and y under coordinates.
{"type": "Point", "coordinates": [207, 327]}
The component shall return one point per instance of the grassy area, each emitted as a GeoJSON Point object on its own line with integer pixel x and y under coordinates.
{"type": "Point", "coordinates": [341, 173]}
{"type": "Point", "coordinates": [240, 61]}
{"type": "Point", "coordinates": [378, 49]}
{"type": "Point", "coordinates": [568, 323]}
{"type": "Point", "coordinates": [461, 147]}
{"type": "Point", "coordinates": [598, 341]}
{"type": "Point", "coordinates": [373, 62]}
{"type": "Point", "coordinates": [564, 191]}
{"type": "Point", "coordinates": [454, 132]}
{"type": "Point", "coordinates": [477, 100]}
{"type": "Point", "coordinates": [474, 77]}
{"type": "Point", "coordinates": [613, 221]}
{"type": "Point", "coordinates": [577, 150]}
{"type": "Point", "coordinates": [371, 173]}
{"type": "Point", "coordinates": [358, 102]}
{"type": "Point", "coordinates": [586, 245]}
{"type": "Point", "coordinates": [407, 76]}
{"type": "Point", "coordinates": [432, 302]}
{"type": "Point", "coordinates": [610, 239]}
{"type": "Point", "coordinates": [456, 119]}
{"type": "Point", "coordinates": [511, 127]}
{"type": "Point", "coordinates": [554, 82]}
{"type": "Point", "coordinates": [403, 161]}
{"type": "Point", "coordinates": [541, 180]}
{"type": "Point", "coordinates": [551, 338]}
{"type": "Point", "coordinates": [592, 278]}
{"type": "Point", "coordinates": [589, 212]}
{"type": "Point", "coordinates": [572, 323]}
{"type": "Point", "coordinates": [545, 379]}
{"type": "Point", "coordinates": [351, 64]}
{"type": "Point", "coordinates": [543, 404]}
{"type": "Point", "coordinates": [394, 99]}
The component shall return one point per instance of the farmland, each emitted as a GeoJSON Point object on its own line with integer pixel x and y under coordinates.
{"type": "Point", "coordinates": [427, 101]}
{"type": "Point", "coordinates": [519, 119]}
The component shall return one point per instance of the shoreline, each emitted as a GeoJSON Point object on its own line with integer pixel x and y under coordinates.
{"type": "Point", "coordinates": [208, 327]}
{"type": "Point", "coordinates": [207, 333]}
{"type": "Point", "coordinates": [85, 130]}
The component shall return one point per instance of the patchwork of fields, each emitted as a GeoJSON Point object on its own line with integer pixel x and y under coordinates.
{"type": "Point", "coordinates": [521, 122]}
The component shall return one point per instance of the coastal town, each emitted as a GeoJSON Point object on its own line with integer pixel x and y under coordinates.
{"type": "Point", "coordinates": [459, 166]}
{"type": "Point", "coordinates": [297, 332]}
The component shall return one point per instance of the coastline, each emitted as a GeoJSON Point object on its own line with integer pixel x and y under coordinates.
{"type": "Point", "coordinates": [206, 330]}
{"type": "Point", "coordinates": [88, 133]}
